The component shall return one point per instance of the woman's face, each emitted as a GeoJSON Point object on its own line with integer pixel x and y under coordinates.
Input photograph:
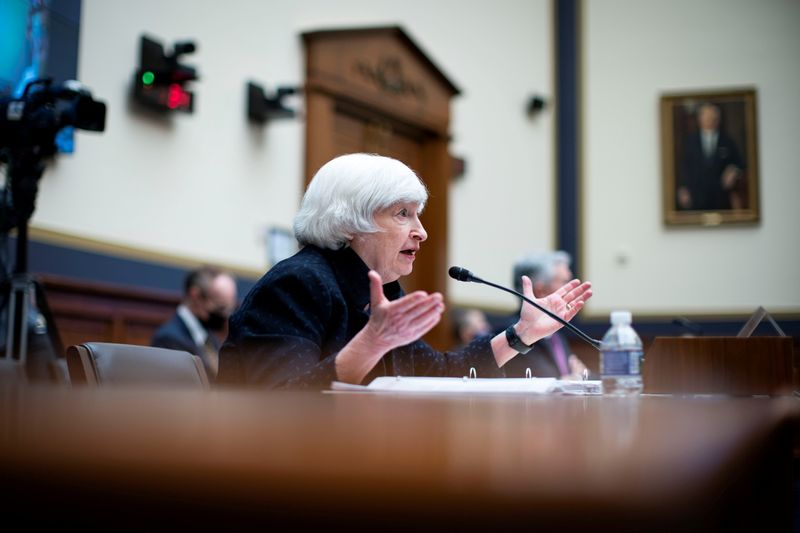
{"type": "Point", "coordinates": [391, 251]}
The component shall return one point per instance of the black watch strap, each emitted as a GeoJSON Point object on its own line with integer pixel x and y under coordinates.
{"type": "Point", "coordinates": [515, 342]}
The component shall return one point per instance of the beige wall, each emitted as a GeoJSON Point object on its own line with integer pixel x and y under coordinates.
{"type": "Point", "coordinates": [207, 186]}
{"type": "Point", "coordinates": [634, 51]}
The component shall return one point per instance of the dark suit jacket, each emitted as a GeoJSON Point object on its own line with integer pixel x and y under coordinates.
{"type": "Point", "coordinates": [541, 360]}
{"type": "Point", "coordinates": [702, 175]}
{"type": "Point", "coordinates": [175, 336]}
{"type": "Point", "coordinates": [298, 316]}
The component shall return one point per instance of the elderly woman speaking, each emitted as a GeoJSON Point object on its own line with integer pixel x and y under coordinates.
{"type": "Point", "coordinates": [335, 310]}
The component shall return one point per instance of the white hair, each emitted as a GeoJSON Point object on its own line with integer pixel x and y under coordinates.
{"type": "Point", "coordinates": [344, 195]}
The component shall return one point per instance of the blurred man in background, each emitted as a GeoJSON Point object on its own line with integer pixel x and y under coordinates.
{"type": "Point", "coordinates": [468, 324]}
{"type": "Point", "coordinates": [209, 298]}
{"type": "Point", "coordinates": [550, 356]}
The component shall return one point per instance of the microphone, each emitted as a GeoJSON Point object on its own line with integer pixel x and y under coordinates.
{"type": "Point", "coordinates": [694, 329]}
{"type": "Point", "coordinates": [462, 274]}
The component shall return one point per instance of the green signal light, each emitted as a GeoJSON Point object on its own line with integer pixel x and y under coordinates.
{"type": "Point", "coordinates": [148, 78]}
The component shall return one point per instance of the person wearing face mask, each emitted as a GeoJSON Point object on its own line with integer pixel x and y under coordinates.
{"type": "Point", "coordinates": [335, 311]}
{"type": "Point", "coordinates": [210, 296]}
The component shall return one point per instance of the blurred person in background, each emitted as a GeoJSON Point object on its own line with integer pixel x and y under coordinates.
{"type": "Point", "coordinates": [469, 324]}
{"type": "Point", "coordinates": [209, 298]}
{"type": "Point", "coordinates": [550, 356]}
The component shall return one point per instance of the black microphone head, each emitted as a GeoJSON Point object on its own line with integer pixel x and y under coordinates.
{"type": "Point", "coordinates": [460, 274]}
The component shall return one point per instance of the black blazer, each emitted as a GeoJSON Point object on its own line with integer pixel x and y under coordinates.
{"type": "Point", "coordinates": [702, 175]}
{"type": "Point", "coordinates": [298, 316]}
{"type": "Point", "coordinates": [540, 359]}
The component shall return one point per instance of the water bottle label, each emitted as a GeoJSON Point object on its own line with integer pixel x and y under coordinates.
{"type": "Point", "coordinates": [620, 362]}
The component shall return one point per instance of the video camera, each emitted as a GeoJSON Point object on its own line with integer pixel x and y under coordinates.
{"type": "Point", "coordinates": [28, 128]}
{"type": "Point", "coordinates": [28, 125]}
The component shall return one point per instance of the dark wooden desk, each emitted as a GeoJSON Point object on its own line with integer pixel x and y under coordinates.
{"type": "Point", "coordinates": [144, 459]}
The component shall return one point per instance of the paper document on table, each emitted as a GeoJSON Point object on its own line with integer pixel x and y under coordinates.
{"type": "Point", "coordinates": [473, 385]}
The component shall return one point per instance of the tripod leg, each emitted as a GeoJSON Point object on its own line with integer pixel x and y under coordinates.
{"type": "Point", "coordinates": [24, 296]}
{"type": "Point", "coordinates": [11, 325]}
{"type": "Point", "coordinates": [32, 337]}
{"type": "Point", "coordinates": [52, 330]}
{"type": "Point", "coordinates": [17, 333]}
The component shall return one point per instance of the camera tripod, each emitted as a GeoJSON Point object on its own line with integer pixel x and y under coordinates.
{"type": "Point", "coordinates": [23, 297]}
{"type": "Point", "coordinates": [28, 129]}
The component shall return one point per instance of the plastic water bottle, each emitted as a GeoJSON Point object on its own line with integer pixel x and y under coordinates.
{"type": "Point", "coordinates": [621, 357]}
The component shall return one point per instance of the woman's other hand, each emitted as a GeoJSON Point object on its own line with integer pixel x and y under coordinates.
{"type": "Point", "coordinates": [565, 303]}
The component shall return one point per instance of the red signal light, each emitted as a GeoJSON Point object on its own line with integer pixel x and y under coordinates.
{"type": "Point", "coordinates": [178, 97]}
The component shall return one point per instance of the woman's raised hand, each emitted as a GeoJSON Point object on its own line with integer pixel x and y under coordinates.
{"type": "Point", "coordinates": [399, 322]}
{"type": "Point", "coordinates": [565, 302]}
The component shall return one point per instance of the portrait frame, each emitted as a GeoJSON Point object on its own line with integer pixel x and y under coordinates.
{"type": "Point", "coordinates": [710, 182]}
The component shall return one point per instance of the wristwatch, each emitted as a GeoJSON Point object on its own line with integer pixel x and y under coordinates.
{"type": "Point", "coordinates": [515, 342]}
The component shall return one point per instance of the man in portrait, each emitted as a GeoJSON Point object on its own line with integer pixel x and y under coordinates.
{"type": "Point", "coordinates": [710, 167]}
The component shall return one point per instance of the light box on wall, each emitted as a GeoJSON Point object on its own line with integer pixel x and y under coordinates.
{"type": "Point", "coordinates": [161, 82]}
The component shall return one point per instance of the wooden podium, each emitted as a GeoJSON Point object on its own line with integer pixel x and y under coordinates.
{"type": "Point", "coordinates": [742, 366]}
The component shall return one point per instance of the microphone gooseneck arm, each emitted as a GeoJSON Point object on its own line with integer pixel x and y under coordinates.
{"type": "Point", "coordinates": [462, 274]}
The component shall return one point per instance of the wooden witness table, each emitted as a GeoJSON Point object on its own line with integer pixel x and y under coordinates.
{"type": "Point", "coordinates": [133, 458]}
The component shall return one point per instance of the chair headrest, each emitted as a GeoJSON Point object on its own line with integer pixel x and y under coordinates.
{"type": "Point", "coordinates": [132, 364]}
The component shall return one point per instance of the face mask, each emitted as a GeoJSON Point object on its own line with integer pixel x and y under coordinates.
{"type": "Point", "coordinates": [215, 321]}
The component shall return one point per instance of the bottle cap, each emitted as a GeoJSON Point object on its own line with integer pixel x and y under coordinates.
{"type": "Point", "coordinates": [621, 317]}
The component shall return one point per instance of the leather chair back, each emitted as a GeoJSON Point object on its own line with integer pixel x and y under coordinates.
{"type": "Point", "coordinates": [99, 363]}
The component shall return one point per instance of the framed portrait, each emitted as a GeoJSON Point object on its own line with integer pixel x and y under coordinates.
{"type": "Point", "coordinates": [710, 158]}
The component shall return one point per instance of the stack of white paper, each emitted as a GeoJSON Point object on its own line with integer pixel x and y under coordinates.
{"type": "Point", "coordinates": [473, 385]}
